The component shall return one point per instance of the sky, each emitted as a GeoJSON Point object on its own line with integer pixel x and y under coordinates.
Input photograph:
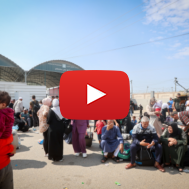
{"type": "Point", "coordinates": [33, 31]}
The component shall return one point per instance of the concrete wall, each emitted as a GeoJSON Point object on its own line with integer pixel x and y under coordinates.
{"type": "Point", "coordinates": [144, 98]}
{"type": "Point", "coordinates": [17, 89]}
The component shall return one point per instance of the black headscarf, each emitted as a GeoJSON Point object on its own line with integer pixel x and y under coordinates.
{"type": "Point", "coordinates": [176, 130]}
{"type": "Point", "coordinates": [17, 115]}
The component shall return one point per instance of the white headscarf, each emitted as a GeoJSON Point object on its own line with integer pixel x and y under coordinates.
{"type": "Point", "coordinates": [56, 108]}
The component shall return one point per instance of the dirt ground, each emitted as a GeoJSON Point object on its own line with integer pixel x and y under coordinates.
{"type": "Point", "coordinates": [34, 171]}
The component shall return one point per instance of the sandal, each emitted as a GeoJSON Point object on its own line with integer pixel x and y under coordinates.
{"type": "Point", "coordinates": [179, 169]}
{"type": "Point", "coordinates": [115, 159]}
{"type": "Point", "coordinates": [129, 166]}
{"type": "Point", "coordinates": [104, 159]}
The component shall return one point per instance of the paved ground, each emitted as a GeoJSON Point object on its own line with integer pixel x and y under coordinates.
{"type": "Point", "coordinates": [34, 171]}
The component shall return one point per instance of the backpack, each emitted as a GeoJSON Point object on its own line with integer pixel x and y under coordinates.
{"type": "Point", "coordinates": [36, 106]}
{"type": "Point", "coordinates": [145, 157]}
{"type": "Point", "coordinates": [125, 156]}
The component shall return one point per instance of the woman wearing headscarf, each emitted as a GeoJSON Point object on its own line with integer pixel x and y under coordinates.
{"type": "Point", "coordinates": [78, 136]}
{"type": "Point", "coordinates": [154, 120]}
{"type": "Point", "coordinates": [174, 143]}
{"type": "Point", "coordinates": [55, 132]}
{"type": "Point", "coordinates": [22, 125]}
{"type": "Point", "coordinates": [43, 126]}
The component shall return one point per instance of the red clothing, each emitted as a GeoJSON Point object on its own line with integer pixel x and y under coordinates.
{"type": "Point", "coordinates": [6, 122]}
{"type": "Point", "coordinates": [157, 110]}
{"type": "Point", "coordinates": [99, 125]}
{"type": "Point", "coordinates": [5, 148]}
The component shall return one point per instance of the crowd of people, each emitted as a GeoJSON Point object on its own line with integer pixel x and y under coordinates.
{"type": "Point", "coordinates": [168, 139]}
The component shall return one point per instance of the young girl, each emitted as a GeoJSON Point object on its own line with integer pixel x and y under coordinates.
{"type": "Point", "coordinates": [99, 125]}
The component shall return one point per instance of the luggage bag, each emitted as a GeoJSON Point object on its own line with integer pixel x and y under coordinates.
{"type": "Point", "coordinates": [89, 138]}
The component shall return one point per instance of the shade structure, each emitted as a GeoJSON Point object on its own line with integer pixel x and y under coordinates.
{"type": "Point", "coordinates": [47, 73]}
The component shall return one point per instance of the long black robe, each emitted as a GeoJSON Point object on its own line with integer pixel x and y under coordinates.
{"type": "Point", "coordinates": [55, 136]}
{"type": "Point", "coordinates": [176, 152]}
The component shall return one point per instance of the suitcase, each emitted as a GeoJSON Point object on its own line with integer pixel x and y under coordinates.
{"type": "Point", "coordinates": [15, 141]}
{"type": "Point", "coordinates": [89, 138]}
{"type": "Point", "coordinates": [125, 156]}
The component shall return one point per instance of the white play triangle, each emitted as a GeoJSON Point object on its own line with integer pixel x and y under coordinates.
{"type": "Point", "coordinates": [93, 94]}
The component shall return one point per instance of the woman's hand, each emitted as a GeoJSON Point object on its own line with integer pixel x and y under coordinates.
{"type": "Point", "coordinates": [170, 144]}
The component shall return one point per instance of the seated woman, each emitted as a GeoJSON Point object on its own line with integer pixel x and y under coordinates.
{"type": "Point", "coordinates": [22, 125]}
{"type": "Point", "coordinates": [112, 141]}
{"type": "Point", "coordinates": [174, 143]}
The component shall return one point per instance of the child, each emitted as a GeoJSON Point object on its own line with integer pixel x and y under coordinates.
{"type": "Point", "coordinates": [134, 121]}
{"type": "Point", "coordinates": [99, 125]}
{"type": "Point", "coordinates": [157, 106]}
{"type": "Point", "coordinates": [6, 137]}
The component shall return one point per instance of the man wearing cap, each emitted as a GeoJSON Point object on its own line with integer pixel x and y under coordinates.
{"type": "Point", "coordinates": [25, 116]}
{"type": "Point", "coordinates": [176, 103]}
{"type": "Point", "coordinates": [18, 105]}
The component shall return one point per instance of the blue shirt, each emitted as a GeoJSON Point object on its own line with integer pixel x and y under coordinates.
{"type": "Point", "coordinates": [171, 102]}
{"type": "Point", "coordinates": [134, 122]}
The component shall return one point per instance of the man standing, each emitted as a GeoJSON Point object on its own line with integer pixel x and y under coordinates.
{"type": "Point", "coordinates": [164, 109]}
{"type": "Point", "coordinates": [176, 103]}
{"type": "Point", "coordinates": [145, 135]}
{"type": "Point", "coordinates": [18, 106]}
{"type": "Point", "coordinates": [34, 105]}
{"type": "Point", "coordinates": [140, 108]}
{"type": "Point", "coordinates": [170, 105]}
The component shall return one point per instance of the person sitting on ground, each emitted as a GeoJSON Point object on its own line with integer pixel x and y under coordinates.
{"type": "Point", "coordinates": [134, 121]}
{"type": "Point", "coordinates": [145, 135]}
{"type": "Point", "coordinates": [99, 125]}
{"type": "Point", "coordinates": [25, 117]}
{"type": "Point", "coordinates": [112, 141]}
{"type": "Point", "coordinates": [184, 118]}
{"type": "Point", "coordinates": [22, 124]}
{"type": "Point", "coordinates": [174, 143]}
{"type": "Point", "coordinates": [6, 148]}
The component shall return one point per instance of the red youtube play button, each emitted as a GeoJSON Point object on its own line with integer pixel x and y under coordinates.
{"type": "Point", "coordinates": [94, 95]}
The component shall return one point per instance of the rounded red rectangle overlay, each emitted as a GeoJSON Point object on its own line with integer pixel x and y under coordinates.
{"type": "Point", "coordinates": [73, 95]}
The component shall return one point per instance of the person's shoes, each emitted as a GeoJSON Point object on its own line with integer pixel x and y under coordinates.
{"type": "Point", "coordinates": [129, 166]}
{"type": "Point", "coordinates": [34, 129]}
{"type": "Point", "coordinates": [77, 154]}
{"type": "Point", "coordinates": [61, 159]}
{"type": "Point", "coordinates": [46, 155]}
{"type": "Point", "coordinates": [84, 155]}
{"type": "Point", "coordinates": [159, 167]}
